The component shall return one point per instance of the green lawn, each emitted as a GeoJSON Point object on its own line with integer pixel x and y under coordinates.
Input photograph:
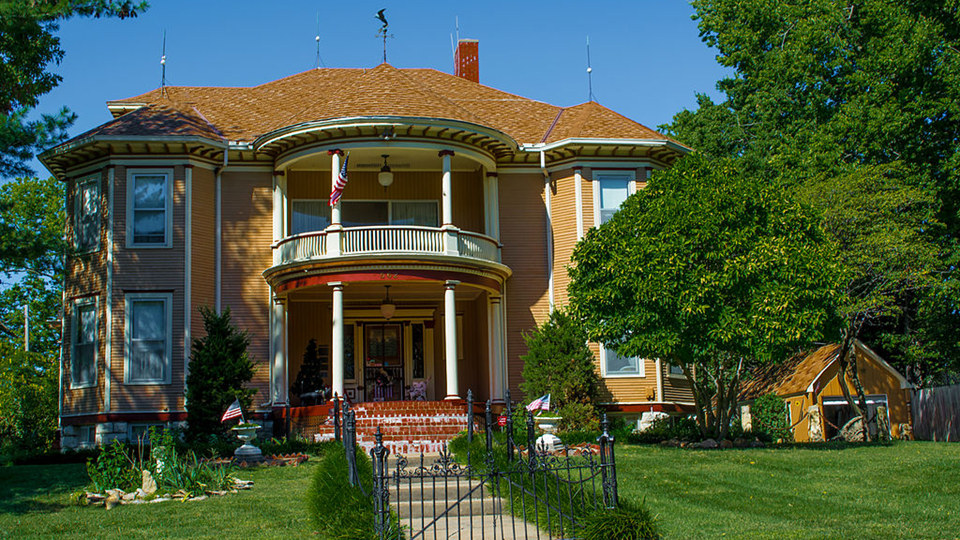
{"type": "Point", "coordinates": [908, 490]}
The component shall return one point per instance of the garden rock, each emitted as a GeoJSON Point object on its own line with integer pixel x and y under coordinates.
{"type": "Point", "coordinates": [111, 502]}
{"type": "Point", "coordinates": [726, 443]}
{"type": "Point", "coordinates": [757, 443]}
{"type": "Point", "coordinates": [129, 496]}
{"type": "Point", "coordinates": [149, 485]}
{"type": "Point", "coordinates": [740, 442]}
{"type": "Point", "coordinates": [709, 443]}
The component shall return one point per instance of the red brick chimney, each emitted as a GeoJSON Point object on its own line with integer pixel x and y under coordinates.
{"type": "Point", "coordinates": [467, 60]}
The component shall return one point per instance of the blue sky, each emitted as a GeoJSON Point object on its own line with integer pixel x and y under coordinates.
{"type": "Point", "coordinates": [647, 57]}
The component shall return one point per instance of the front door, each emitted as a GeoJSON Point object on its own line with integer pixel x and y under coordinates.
{"type": "Point", "coordinates": [383, 364]}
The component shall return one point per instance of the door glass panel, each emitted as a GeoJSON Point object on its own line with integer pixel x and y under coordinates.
{"type": "Point", "coordinates": [422, 214]}
{"type": "Point", "coordinates": [360, 213]}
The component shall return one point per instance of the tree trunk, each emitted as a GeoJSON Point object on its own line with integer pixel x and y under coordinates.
{"type": "Point", "coordinates": [857, 409]}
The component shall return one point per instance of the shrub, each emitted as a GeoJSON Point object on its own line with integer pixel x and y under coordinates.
{"type": "Point", "coordinates": [768, 415]}
{"type": "Point", "coordinates": [558, 362]}
{"type": "Point", "coordinates": [666, 428]}
{"type": "Point", "coordinates": [337, 509]}
{"type": "Point", "coordinates": [219, 370]}
{"type": "Point", "coordinates": [578, 417]}
{"type": "Point", "coordinates": [28, 402]}
{"type": "Point", "coordinates": [628, 522]}
{"type": "Point", "coordinates": [113, 469]}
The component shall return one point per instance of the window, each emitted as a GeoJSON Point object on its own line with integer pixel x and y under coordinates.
{"type": "Point", "coordinates": [674, 371]}
{"type": "Point", "coordinates": [314, 215]}
{"type": "Point", "coordinates": [83, 361]}
{"type": "Point", "coordinates": [615, 365]}
{"type": "Point", "coordinates": [309, 216]}
{"type": "Point", "coordinates": [148, 338]}
{"type": "Point", "coordinates": [87, 215]}
{"type": "Point", "coordinates": [612, 191]}
{"type": "Point", "coordinates": [149, 215]}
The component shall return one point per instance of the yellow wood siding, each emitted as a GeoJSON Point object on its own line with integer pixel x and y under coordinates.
{"type": "Point", "coordinates": [247, 209]}
{"type": "Point", "coordinates": [523, 235]}
{"type": "Point", "coordinates": [142, 271]}
{"type": "Point", "coordinates": [563, 217]}
{"type": "Point", "coordinates": [85, 275]}
{"type": "Point", "coordinates": [203, 248]}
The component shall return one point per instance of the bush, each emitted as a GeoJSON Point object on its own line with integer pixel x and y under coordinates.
{"type": "Point", "coordinates": [113, 469]}
{"type": "Point", "coordinates": [768, 416]}
{"type": "Point", "coordinates": [628, 522]}
{"type": "Point", "coordinates": [337, 509]}
{"type": "Point", "coordinates": [666, 428]}
{"type": "Point", "coordinates": [28, 402]}
{"type": "Point", "coordinates": [578, 417]}
{"type": "Point", "coordinates": [558, 362]}
{"type": "Point", "coordinates": [219, 371]}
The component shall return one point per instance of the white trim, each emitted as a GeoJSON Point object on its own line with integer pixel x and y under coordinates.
{"type": "Point", "coordinates": [674, 375]}
{"type": "Point", "coordinates": [629, 176]}
{"type": "Point", "coordinates": [544, 147]}
{"type": "Point", "coordinates": [108, 334]}
{"type": "Point", "coordinates": [146, 161]}
{"type": "Point", "coordinates": [168, 208]}
{"type": "Point", "coordinates": [77, 211]}
{"type": "Point", "coordinates": [74, 324]}
{"type": "Point", "coordinates": [138, 411]}
{"type": "Point", "coordinates": [872, 399]}
{"type": "Point", "coordinates": [187, 285]}
{"type": "Point", "coordinates": [551, 298]}
{"type": "Point", "coordinates": [641, 366]}
{"type": "Point", "coordinates": [129, 299]}
{"type": "Point", "coordinates": [659, 379]}
{"type": "Point", "coordinates": [462, 150]}
{"type": "Point", "coordinates": [218, 240]}
{"type": "Point", "coordinates": [578, 197]}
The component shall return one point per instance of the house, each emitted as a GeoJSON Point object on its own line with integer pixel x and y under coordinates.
{"type": "Point", "coordinates": [809, 383]}
{"type": "Point", "coordinates": [461, 210]}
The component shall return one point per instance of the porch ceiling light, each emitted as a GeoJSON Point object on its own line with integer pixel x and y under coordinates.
{"type": "Point", "coordinates": [387, 308]}
{"type": "Point", "coordinates": [386, 176]}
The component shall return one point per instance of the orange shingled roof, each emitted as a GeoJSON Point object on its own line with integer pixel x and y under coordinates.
{"type": "Point", "coordinates": [790, 377]}
{"type": "Point", "coordinates": [245, 113]}
{"type": "Point", "coordinates": [157, 120]}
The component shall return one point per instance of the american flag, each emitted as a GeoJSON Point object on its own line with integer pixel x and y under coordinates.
{"type": "Point", "coordinates": [233, 412]}
{"type": "Point", "coordinates": [542, 402]}
{"type": "Point", "coordinates": [340, 183]}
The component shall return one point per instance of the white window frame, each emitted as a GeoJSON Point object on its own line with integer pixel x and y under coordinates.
{"type": "Point", "coordinates": [129, 300]}
{"type": "Point", "coordinates": [168, 208]}
{"type": "Point", "coordinates": [74, 323]}
{"type": "Point", "coordinates": [670, 366]}
{"type": "Point", "coordinates": [78, 214]}
{"type": "Point", "coordinates": [641, 367]}
{"type": "Point", "coordinates": [629, 176]}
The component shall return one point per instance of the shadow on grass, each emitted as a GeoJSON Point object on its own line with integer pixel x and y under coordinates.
{"type": "Point", "coordinates": [27, 489]}
{"type": "Point", "coordinates": [814, 446]}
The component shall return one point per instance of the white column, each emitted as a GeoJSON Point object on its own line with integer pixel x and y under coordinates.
{"type": "Point", "coordinates": [336, 348]}
{"type": "Point", "coordinates": [491, 191]}
{"type": "Point", "coordinates": [278, 198]}
{"type": "Point", "coordinates": [278, 323]}
{"type": "Point", "coordinates": [447, 189]}
{"type": "Point", "coordinates": [497, 375]}
{"type": "Point", "coordinates": [578, 191]}
{"type": "Point", "coordinates": [334, 174]}
{"type": "Point", "coordinates": [450, 338]}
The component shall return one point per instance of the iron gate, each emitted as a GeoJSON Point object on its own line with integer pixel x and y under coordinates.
{"type": "Point", "coordinates": [499, 490]}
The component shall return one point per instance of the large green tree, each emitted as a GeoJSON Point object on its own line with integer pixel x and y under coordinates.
{"type": "Point", "coordinates": [28, 47]}
{"type": "Point", "coordinates": [856, 105]}
{"type": "Point", "coordinates": [708, 269]}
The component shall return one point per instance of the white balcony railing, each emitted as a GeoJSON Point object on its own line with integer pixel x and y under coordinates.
{"type": "Point", "coordinates": [394, 240]}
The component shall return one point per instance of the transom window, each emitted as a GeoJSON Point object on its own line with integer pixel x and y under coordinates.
{"type": "Point", "coordinates": [148, 329]}
{"type": "Point", "coordinates": [87, 215]}
{"type": "Point", "coordinates": [613, 190]}
{"type": "Point", "coordinates": [83, 362]}
{"type": "Point", "coordinates": [314, 215]}
{"type": "Point", "coordinates": [149, 217]}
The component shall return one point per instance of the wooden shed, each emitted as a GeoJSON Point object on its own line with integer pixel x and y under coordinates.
{"type": "Point", "coordinates": [810, 386]}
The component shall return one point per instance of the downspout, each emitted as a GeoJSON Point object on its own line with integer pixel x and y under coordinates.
{"type": "Point", "coordinates": [218, 241]}
{"type": "Point", "coordinates": [546, 198]}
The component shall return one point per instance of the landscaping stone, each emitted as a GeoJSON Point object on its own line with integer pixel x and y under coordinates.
{"type": "Point", "coordinates": [709, 443]}
{"type": "Point", "coordinates": [129, 496]}
{"type": "Point", "coordinates": [726, 443]}
{"type": "Point", "coordinates": [757, 443]}
{"type": "Point", "coordinates": [740, 442]}
{"type": "Point", "coordinates": [149, 485]}
{"type": "Point", "coordinates": [111, 502]}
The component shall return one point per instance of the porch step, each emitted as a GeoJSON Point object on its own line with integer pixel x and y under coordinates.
{"type": "Point", "coordinates": [407, 427]}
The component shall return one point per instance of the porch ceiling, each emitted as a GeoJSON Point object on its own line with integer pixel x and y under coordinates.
{"type": "Point", "coordinates": [400, 160]}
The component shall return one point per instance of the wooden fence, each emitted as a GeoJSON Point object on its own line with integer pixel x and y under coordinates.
{"type": "Point", "coordinates": [936, 413]}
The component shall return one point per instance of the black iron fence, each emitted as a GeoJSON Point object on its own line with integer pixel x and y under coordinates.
{"type": "Point", "coordinates": [497, 487]}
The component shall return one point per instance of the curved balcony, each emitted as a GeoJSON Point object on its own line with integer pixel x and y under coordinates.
{"type": "Point", "coordinates": [387, 240]}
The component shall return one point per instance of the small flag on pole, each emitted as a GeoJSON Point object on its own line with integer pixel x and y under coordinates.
{"type": "Point", "coordinates": [233, 412]}
{"type": "Point", "coordinates": [542, 403]}
{"type": "Point", "coordinates": [340, 183]}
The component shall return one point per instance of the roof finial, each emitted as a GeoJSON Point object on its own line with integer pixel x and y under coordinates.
{"type": "Point", "coordinates": [589, 74]}
{"type": "Point", "coordinates": [163, 65]}
{"type": "Point", "coordinates": [383, 32]}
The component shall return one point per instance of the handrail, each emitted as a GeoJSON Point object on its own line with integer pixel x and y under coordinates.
{"type": "Point", "coordinates": [392, 239]}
